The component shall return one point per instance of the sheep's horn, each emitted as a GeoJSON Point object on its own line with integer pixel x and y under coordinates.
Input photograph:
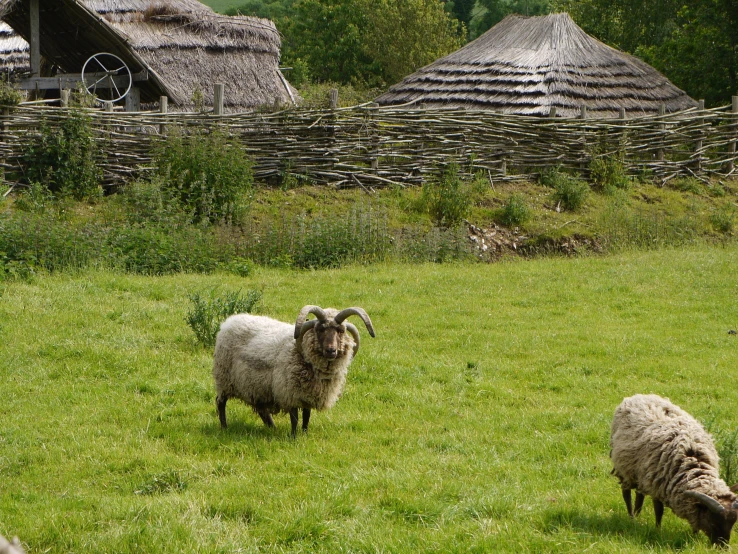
{"type": "Point", "coordinates": [355, 333]}
{"type": "Point", "coordinates": [343, 314]}
{"type": "Point", "coordinates": [304, 328]}
{"type": "Point", "coordinates": [713, 505]}
{"type": "Point", "coordinates": [317, 310]}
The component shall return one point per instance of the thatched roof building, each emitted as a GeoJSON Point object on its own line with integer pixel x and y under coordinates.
{"type": "Point", "coordinates": [13, 51]}
{"type": "Point", "coordinates": [183, 45]}
{"type": "Point", "coordinates": [527, 65]}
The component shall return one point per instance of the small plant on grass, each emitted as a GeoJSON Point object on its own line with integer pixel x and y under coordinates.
{"type": "Point", "coordinates": [569, 192]}
{"type": "Point", "coordinates": [207, 172]}
{"type": "Point", "coordinates": [209, 310]}
{"type": "Point", "coordinates": [723, 219]}
{"type": "Point", "coordinates": [168, 481]}
{"type": "Point", "coordinates": [688, 184]}
{"type": "Point", "coordinates": [608, 174]}
{"type": "Point", "coordinates": [514, 212]}
{"type": "Point", "coordinates": [447, 198]}
{"type": "Point", "coordinates": [65, 156]}
{"type": "Point", "coordinates": [34, 199]}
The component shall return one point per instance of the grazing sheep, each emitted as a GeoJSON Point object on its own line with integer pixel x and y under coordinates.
{"type": "Point", "coordinates": [659, 450]}
{"type": "Point", "coordinates": [278, 367]}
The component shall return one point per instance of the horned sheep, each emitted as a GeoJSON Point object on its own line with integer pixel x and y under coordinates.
{"type": "Point", "coordinates": [278, 367]}
{"type": "Point", "coordinates": [661, 451]}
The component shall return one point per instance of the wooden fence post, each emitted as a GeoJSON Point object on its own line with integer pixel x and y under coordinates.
{"type": "Point", "coordinates": [64, 98]}
{"type": "Point", "coordinates": [699, 142]}
{"type": "Point", "coordinates": [733, 129]}
{"type": "Point", "coordinates": [163, 106]}
{"type": "Point", "coordinates": [133, 100]}
{"type": "Point", "coordinates": [218, 95]}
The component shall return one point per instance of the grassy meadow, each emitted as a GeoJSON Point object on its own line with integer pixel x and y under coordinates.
{"type": "Point", "coordinates": [476, 421]}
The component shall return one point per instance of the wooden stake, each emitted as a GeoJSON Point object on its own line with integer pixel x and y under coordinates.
{"type": "Point", "coordinates": [734, 128]}
{"type": "Point", "coordinates": [698, 143]}
{"type": "Point", "coordinates": [163, 105]}
{"type": "Point", "coordinates": [662, 127]}
{"type": "Point", "coordinates": [218, 95]}
{"type": "Point", "coordinates": [35, 46]}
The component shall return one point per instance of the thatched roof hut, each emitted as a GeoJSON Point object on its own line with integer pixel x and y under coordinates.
{"type": "Point", "coordinates": [527, 65]}
{"type": "Point", "coordinates": [183, 45]}
{"type": "Point", "coordinates": [13, 51]}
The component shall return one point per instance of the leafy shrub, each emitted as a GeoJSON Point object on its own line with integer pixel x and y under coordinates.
{"type": "Point", "coordinates": [608, 173]}
{"type": "Point", "coordinates": [151, 202]}
{"type": "Point", "coordinates": [209, 310]}
{"type": "Point", "coordinates": [64, 157]}
{"type": "Point", "coordinates": [207, 172]}
{"type": "Point", "coordinates": [514, 212]}
{"type": "Point", "coordinates": [9, 95]}
{"type": "Point", "coordinates": [324, 241]}
{"type": "Point", "coordinates": [447, 198]}
{"type": "Point", "coordinates": [34, 199]}
{"type": "Point", "coordinates": [723, 219]}
{"type": "Point", "coordinates": [160, 249]}
{"type": "Point", "coordinates": [569, 191]}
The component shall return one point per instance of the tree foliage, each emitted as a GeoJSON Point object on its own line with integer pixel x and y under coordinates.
{"type": "Point", "coordinates": [492, 12]}
{"type": "Point", "coordinates": [680, 38]}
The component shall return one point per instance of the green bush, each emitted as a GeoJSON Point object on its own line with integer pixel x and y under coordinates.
{"type": "Point", "coordinates": [608, 173]}
{"type": "Point", "coordinates": [570, 192]}
{"type": "Point", "coordinates": [209, 310]}
{"type": "Point", "coordinates": [64, 157]}
{"type": "Point", "coordinates": [447, 197]}
{"type": "Point", "coordinates": [208, 173]}
{"type": "Point", "coordinates": [514, 212]}
{"type": "Point", "coordinates": [9, 95]}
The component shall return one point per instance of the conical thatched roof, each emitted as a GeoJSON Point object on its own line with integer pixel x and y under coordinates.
{"type": "Point", "coordinates": [13, 51]}
{"type": "Point", "coordinates": [184, 45]}
{"type": "Point", "coordinates": [526, 65]}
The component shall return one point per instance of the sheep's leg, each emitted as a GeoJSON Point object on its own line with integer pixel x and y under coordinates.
{"type": "Point", "coordinates": [266, 417]}
{"type": "Point", "coordinates": [293, 421]}
{"type": "Point", "coordinates": [221, 403]}
{"type": "Point", "coordinates": [638, 504]}
{"type": "Point", "coordinates": [305, 418]}
{"type": "Point", "coordinates": [626, 497]}
{"type": "Point", "coordinates": [658, 509]}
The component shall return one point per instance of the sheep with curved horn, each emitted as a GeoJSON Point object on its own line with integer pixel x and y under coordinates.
{"type": "Point", "coordinates": [277, 367]}
{"type": "Point", "coordinates": [660, 450]}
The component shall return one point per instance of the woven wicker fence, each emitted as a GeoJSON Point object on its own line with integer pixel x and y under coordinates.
{"type": "Point", "coordinates": [371, 146]}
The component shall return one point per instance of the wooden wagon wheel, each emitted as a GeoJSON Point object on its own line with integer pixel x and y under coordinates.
{"type": "Point", "coordinates": [107, 77]}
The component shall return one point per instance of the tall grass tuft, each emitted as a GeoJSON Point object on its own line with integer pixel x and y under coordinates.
{"type": "Point", "coordinates": [569, 192]}
{"type": "Point", "coordinates": [210, 309]}
{"type": "Point", "coordinates": [621, 226]}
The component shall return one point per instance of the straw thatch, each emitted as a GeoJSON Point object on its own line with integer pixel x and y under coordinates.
{"type": "Point", "coordinates": [527, 65]}
{"type": "Point", "coordinates": [184, 45]}
{"type": "Point", "coordinates": [13, 51]}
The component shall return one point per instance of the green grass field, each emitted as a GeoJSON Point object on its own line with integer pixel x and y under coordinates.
{"type": "Point", "coordinates": [476, 421]}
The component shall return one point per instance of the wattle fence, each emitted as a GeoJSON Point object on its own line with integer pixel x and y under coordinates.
{"type": "Point", "coordinates": [372, 146]}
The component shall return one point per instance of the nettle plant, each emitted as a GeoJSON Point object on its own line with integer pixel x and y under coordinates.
{"type": "Point", "coordinates": [65, 157]}
{"type": "Point", "coordinates": [207, 171]}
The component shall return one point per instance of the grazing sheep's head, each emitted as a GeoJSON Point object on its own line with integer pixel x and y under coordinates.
{"type": "Point", "coordinates": [716, 517]}
{"type": "Point", "coordinates": [329, 328]}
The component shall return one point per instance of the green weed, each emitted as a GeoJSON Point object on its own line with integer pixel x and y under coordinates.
{"type": "Point", "coordinates": [515, 211]}
{"type": "Point", "coordinates": [210, 309]}
{"type": "Point", "coordinates": [723, 219]}
{"type": "Point", "coordinates": [207, 172]}
{"type": "Point", "coordinates": [447, 197]}
{"type": "Point", "coordinates": [608, 173]}
{"type": "Point", "coordinates": [64, 157]}
{"type": "Point", "coordinates": [569, 192]}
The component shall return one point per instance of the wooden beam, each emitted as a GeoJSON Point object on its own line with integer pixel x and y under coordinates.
{"type": "Point", "coordinates": [71, 80]}
{"type": "Point", "coordinates": [35, 45]}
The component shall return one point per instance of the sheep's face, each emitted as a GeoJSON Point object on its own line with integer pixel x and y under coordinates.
{"type": "Point", "coordinates": [331, 338]}
{"type": "Point", "coordinates": [717, 526]}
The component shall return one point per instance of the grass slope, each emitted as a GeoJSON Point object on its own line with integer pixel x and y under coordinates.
{"type": "Point", "coordinates": [476, 421]}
